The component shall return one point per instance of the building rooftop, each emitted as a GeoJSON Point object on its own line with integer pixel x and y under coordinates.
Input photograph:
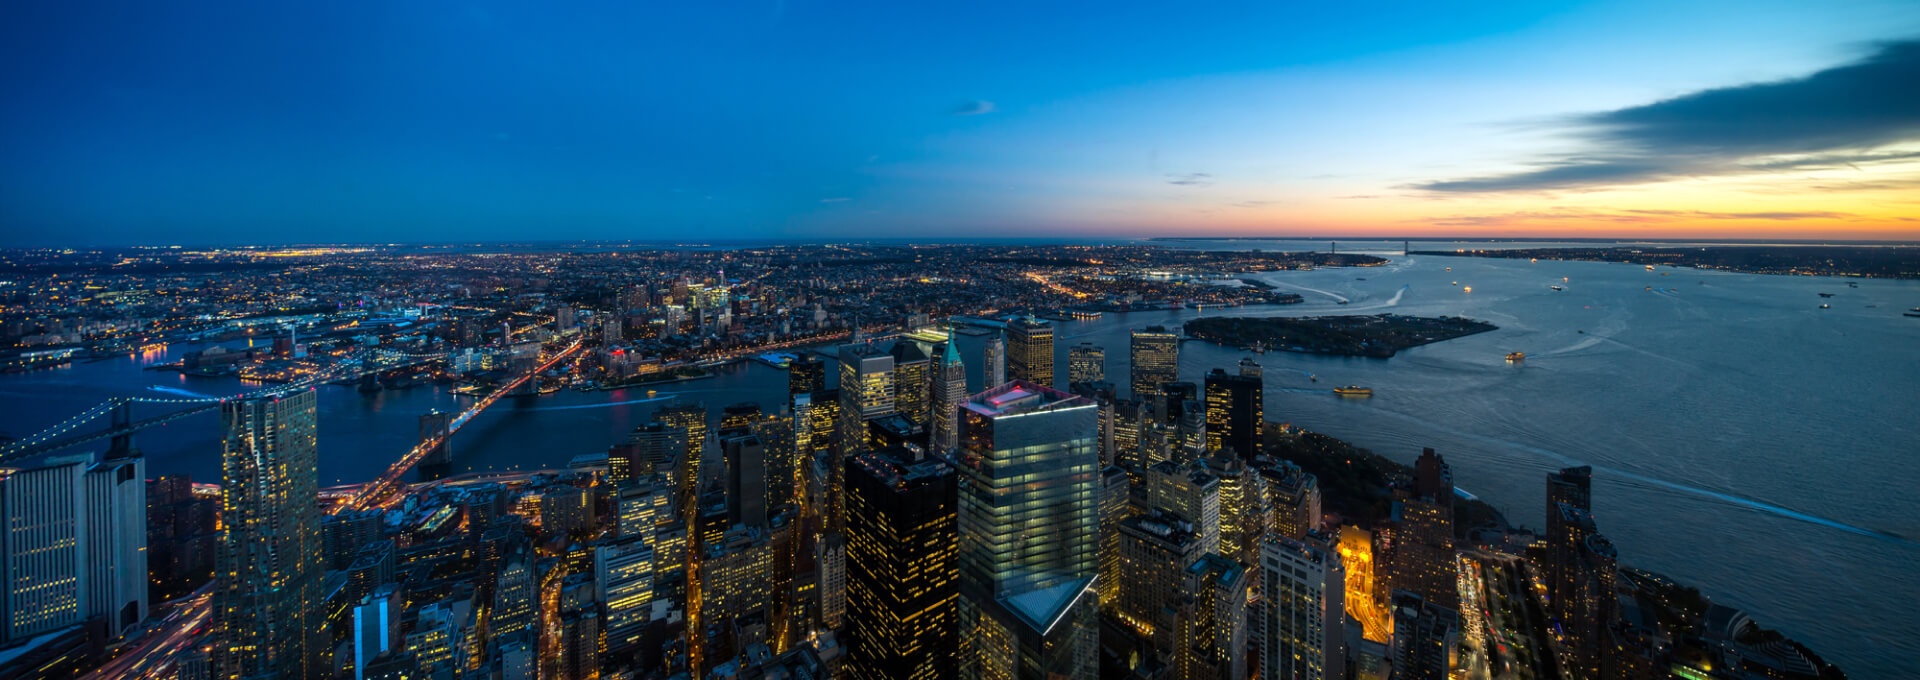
{"type": "Point", "coordinates": [1019, 397]}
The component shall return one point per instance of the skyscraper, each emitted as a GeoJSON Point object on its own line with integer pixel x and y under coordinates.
{"type": "Point", "coordinates": [1213, 621]}
{"type": "Point", "coordinates": [866, 393]}
{"type": "Point", "coordinates": [746, 479]}
{"type": "Point", "coordinates": [1234, 413]}
{"type": "Point", "coordinates": [902, 569]}
{"type": "Point", "coordinates": [73, 545]}
{"type": "Point", "coordinates": [1422, 559]}
{"type": "Point", "coordinates": [806, 373]}
{"type": "Point", "coordinates": [692, 420]}
{"type": "Point", "coordinates": [1303, 615]}
{"type": "Point", "coordinates": [1423, 638]}
{"type": "Point", "coordinates": [267, 602]}
{"type": "Point", "coordinates": [1086, 362]}
{"type": "Point", "coordinates": [1029, 527]}
{"type": "Point", "coordinates": [1250, 368]}
{"type": "Point", "coordinates": [1154, 358]}
{"type": "Point", "coordinates": [1190, 493]}
{"type": "Point", "coordinates": [994, 372]}
{"type": "Point", "coordinates": [949, 389]}
{"type": "Point", "coordinates": [623, 571]}
{"type": "Point", "coordinates": [1030, 351]}
{"type": "Point", "coordinates": [912, 380]}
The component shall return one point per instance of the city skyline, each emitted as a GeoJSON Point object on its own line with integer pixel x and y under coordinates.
{"type": "Point", "coordinates": [361, 123]}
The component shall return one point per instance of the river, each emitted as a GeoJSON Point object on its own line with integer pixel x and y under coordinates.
{"type": "Point", "coordinates": [1744, 440]}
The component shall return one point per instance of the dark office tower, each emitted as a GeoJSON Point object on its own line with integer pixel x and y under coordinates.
{"type": "Point", "coordinates": [1568, 488]}
{"type": "Point", "coordinates": [746, 479]}
{"type": "Point", "coordinates": [738, 417]}
{"type": "Point", "coordinates": [1584, 602]}
{"type": "Point", "coordinates": [438, 463]}
{"type": "Point", "coordinates": [866, 393]}
{"type": "Point", "coordinates": [1422, 558]}
{"type": "Point", "coordinates": [1029, 534]}
{"type": "Point", "coordinates": [1086, 362]}
{"type": "Point", "coordinates": [649, 448]}
{"type": "Point", "coordinates": [1250, 368]}
{"type": "Point", "coordinates": [1154, 358]}
{"type": "Point", "coordinates": [1234, 413]}
{"type": "Point", "coordinates": [692, 420]}
{"type": "Point", "coordinates": [994, 366]}
{"type": "Point", "coordinates": [949, 389]}
{"type": "Point", "coordinates": [1030, 351]}
{"type": "Point", "coordinates": [267, 600]}
{"type": "Point", "coordinates": [806, 373]}
{"type": "Point", "coordinates": [902, 565]}
{"type": "Point", "coordinates": [1423, 637]}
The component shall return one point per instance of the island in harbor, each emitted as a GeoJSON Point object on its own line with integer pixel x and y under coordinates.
{"type": "Point", "coordinates": [1379, 336]}
{"type": "Point", "coordinates": [1875, 261]}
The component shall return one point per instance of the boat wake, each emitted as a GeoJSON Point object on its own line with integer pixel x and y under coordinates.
{"type": "Point", "coordinates": [190, 394]}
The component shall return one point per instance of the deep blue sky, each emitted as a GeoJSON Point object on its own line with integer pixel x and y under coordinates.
{"type": "Point", "coordinates": [209, 122]}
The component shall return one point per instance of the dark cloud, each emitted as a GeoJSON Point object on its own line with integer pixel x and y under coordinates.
{"type": "Point", "coordinates": [1836, 117]}
{"type": "Point", "coordinates": [974, 108]}
{"type": "Point", "coordinates": [1191, 179]}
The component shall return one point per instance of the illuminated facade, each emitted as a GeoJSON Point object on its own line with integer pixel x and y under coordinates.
{"type": "Point", "coordinates": [1190, 493]}
{"type": "Point", "coordinates": [1213, 621]}
{"type": "Point", "coordinates": [806, 374]}
{"type": "Point", "coordinates": [1155, 550]}
{"type": "Point", "coordinates": [1303, 626]}
{"type": "Point", "coordinates": [1029, 526]}
{"type": "Point", "coordinates": [623, 571]}
{"type": "Point", "coordinates": [902, 568]}
{"type": "Point", "coordinates": [912, 380]}
{"type": "Point", "coordinates": [949, 389]}
{"type": "Point", "coordinates": [866, 392]}
{"type": "Point", "coordinates": [267, 597]}
{"type": "Point", "coordinates": [1030, 351]}
{"type": "Point", "coordinates": [1424, 636]}
{"type": "Point", "coordinates": [691, 419]}
{"type": "Point", "coordinates": [74, 545]}
{"type": "Point", "coordinates": [1234, 413]}
{"type": "Point", "coordinates": [1243, 524]}
{"type": "Point", "coordinates": [1115, 490]}
{"type": "Point", "coordinates": [1086, 363]}
{"type": "Point", "coordinates": [1154, 358]}
{"type": "Point", "coordinates": [1294, 499]}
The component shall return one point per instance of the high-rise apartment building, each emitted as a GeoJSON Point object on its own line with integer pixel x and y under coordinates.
{"type": "Point", "coordinates": [1153, 359]}
{"type": "Point", "coordinates": [1422, 559]}
{"type": "Point", "coordinates": [1212, 611]}
{"type": "Point", "coordinates": [902, 565]}
{"type": "Point", "coordinates": [1424, 635]}
{"type": "Point", "coordinates": [267, 600]}
{"type": "Point", "coordinates": [1030, 351]}
{"type": "Point", "coordinates": [1234, 413]}
{"type": "Point", "coordinates": [1029, 526]}
{"type": "Point", "coordinates": [1303, 613]}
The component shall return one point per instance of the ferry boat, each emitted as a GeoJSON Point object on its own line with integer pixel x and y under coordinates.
{"type": "Point", "coordinates": [1556, 287]}
{"type": "Point", "coordinates": [1353, 391]}
{"type": "Point", "coordinates": [1649, 267]}
{"type": "Point", "coordinates": [1824, 305]}
{"type": "Point", "coordinates": [1516, 357]}
{"type": "Point", "coordinates": [1467, 289]}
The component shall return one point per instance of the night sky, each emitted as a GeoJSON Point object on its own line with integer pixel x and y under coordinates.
{"type": "Point", "coordinates": [421, 121]}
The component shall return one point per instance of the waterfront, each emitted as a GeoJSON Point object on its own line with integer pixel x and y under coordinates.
{"type": "Point", "coordinates": [1714, 407]}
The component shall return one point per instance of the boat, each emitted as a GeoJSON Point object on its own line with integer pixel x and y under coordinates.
{"type": "Point", "coordinates": [1516, 357]}
{"type": "Point", "coordinates": [1649, 267]}
{"type": "Point", "coordinates": [1851, 284]}
{"type": "Point", "coordinates": [1313, 378]}
{"type": "Point", "coordinates": [1824, 305]}
{"type": "Point", "coordinates": [1449, 269]}
{"type": "Point", "coordinates": [1353, 391]}
{"type": "Point", "coordinates": [1826, 295]}
{"type": "Point", "coordinates": [1467, 289]}
{"type": "Point", "coordinates": [1556, 287]}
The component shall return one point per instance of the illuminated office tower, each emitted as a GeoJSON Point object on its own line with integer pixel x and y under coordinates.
{"type": "Point", "coordinates": [1115, 492]}
{"type": "Point", "coordinates": [1212, 611]}
{"type": "Point", "coordinates": [623, 571]}
{"type": "Point", "coordinates": [1190, 493]}
{"type": "Point", "coordinates": [1234, 413]}
{"type": "Point", "coordinates": [866, 393]}
{"type": "Point", "coordinates": [1153, 359]}
{"type": "Point", "coordinates": [1086, 363]}
{"type": "Point", "coordinates": [267, 599]}
{"type": "Point", "coordinates": [949, 389]}
{"type": "Point", "coordinates": [1131, 420]}
{"type": "Point", "coordinates": [805, 374]}
{"type": "Point", "coordinates": [737, 417]}
{"type": "Point", "coordinates": [1424, 635]}
{"type": "Point", "coordinates": [1030, 351]}
{"type": "Point", "coordinates": [736, 575]}
{"type": "Point", "coordinates": [1243, 513]}
{"type": "Point", "coordinates": [74, 545]}
{"type": "Point", "coordinates": [1029, 534]}
{"type": "Point", "coordinates": [691, 419]}
{"type": "Point", "coordinates": [1303, 615]}
{"type": "Point", "coordinates": [902, 569]}
{"type": "Point", "coordinates": [1422, 560]}
{"type": "Point", "coordinates": [515, 596]}
{"type": "Point", "coordinates": [995, 365]}
{"type": "Point", "coordinates": [912, 380]}
{"type": "Point", "coordinates": [376, 629]}
{"type": "Point", "coordinates": [637, 507]}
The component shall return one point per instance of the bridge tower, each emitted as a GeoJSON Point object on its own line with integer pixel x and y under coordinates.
{"type": "Point", "coordinates": [438, 463]}
{"type": "Point", "coordinates": [526, 364]}
{"type": "Point", "coordinates": [122, 446]}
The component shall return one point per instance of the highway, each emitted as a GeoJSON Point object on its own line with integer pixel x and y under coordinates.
{"type": "Point", "coordinates": [154, 654]}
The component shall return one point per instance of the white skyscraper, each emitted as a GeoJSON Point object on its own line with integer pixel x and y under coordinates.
{"type": "Point", "coordinates": [74, 545]}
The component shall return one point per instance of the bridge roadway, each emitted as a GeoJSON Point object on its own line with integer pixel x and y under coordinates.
{"type": "Point", "coordinates": [377, 491]}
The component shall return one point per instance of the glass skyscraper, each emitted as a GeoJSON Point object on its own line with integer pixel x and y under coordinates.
{"type": "Point", "coordinates": [267, 604]}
